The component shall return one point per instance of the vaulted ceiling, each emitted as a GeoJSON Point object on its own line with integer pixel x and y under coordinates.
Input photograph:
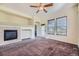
{"type": "Point", "coordinates": [24, 8]}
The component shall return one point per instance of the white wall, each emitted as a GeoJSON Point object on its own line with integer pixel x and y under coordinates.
{"type": "Point", "coordinates": [78, 24]}
{"type": "Point", "coordinates": [13, 20]}
{"type": "Point", "coordinates": [72, 25]}
{"type": "Point", "coordinates": [43, 31]}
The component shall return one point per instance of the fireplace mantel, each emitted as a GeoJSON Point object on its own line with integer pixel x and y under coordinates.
{"type": "Point", "coordinates": [6, 27]}
{"type": "Point", "coordinates": [23, 33]}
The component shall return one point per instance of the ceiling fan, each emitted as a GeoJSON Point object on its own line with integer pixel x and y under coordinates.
{"type": "Point", "coordinates": [42, 7]}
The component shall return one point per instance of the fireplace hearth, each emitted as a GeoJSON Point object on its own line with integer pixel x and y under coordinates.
{"type": "Point", "coordinates": [10, 35]}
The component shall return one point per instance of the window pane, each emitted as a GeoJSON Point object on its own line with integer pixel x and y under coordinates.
{"type": "Point", "coordinates": [61, 28]}
{"type": "Point", "coordinates": [51, 26]}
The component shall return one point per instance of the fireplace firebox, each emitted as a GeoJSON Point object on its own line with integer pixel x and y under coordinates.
{"type": "Point", "coordinates": [10, 34]}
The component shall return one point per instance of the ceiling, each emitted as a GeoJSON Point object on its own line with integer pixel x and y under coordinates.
{"type": "Point", "coordinates": [24, 8]}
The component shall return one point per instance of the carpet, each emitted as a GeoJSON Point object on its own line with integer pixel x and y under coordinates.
{"type": "Point", "coordinates": [39, 47]}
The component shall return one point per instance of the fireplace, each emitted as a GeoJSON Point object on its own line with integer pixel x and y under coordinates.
{"type": "Point", "coordinates": [10, 35]}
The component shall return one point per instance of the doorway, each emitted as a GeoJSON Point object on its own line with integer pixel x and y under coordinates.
{"type": "Point", "coordinates": [35, 30]}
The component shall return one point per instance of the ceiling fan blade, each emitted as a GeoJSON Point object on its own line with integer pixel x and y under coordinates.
{"type": "Point", "coordinates": [33, 6]}
{"type": "Point", "coordinates": [45, 10]}
{"type": "Point", "coordinates": [37, 11]}
{"type": "Point", "coordinates": [48, 5]}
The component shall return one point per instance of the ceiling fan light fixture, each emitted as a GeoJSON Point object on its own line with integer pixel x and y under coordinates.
{"type": "Point", "coordinates": [42, 7]}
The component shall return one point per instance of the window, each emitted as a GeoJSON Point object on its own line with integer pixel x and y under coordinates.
{"type": "Point", "coordinates": [61, 26]}
{"type": "Point", "coordinates": [57, 26]}
{"type": "Point", "coordinates": [51, 27]}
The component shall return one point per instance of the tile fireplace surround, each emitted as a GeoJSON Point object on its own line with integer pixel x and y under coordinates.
{"type": "Point", "coordinates": [6, 27]}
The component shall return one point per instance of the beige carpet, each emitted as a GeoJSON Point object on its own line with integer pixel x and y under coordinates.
{"type": "Point", "coordinates": [39, 47]}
